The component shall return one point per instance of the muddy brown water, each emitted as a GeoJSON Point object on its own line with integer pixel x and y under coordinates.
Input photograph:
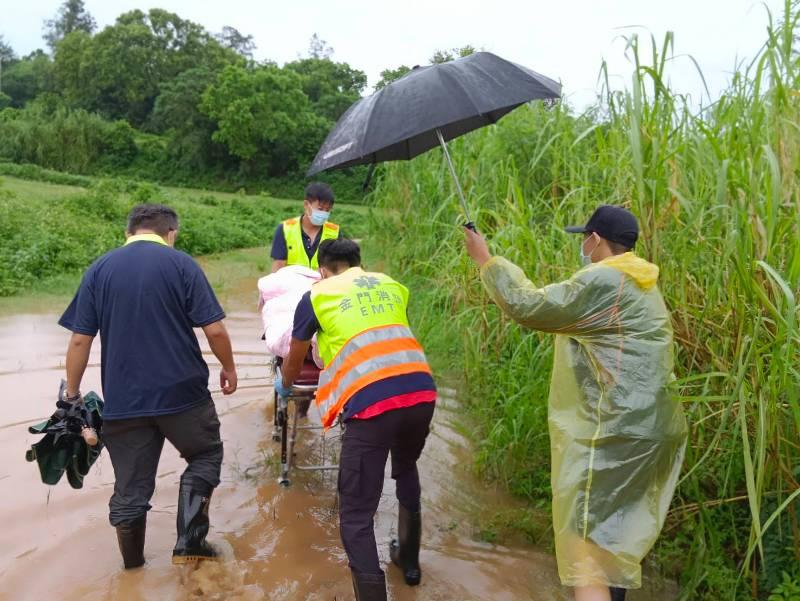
{"type": "Point", "coordinates": [278, 543]}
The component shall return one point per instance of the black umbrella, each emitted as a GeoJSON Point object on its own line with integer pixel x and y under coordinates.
{"type": "Point", "coordinates": [429, 106]}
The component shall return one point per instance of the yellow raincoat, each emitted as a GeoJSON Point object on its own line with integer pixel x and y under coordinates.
{"type": "Point", "coordinates": [617, 436]}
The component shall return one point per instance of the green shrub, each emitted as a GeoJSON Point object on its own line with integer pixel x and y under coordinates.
{"type": "Point", "coordinates": [787, 590]}
{"type": "Point", "coordinates": [66, 140]}
{"type": "Point", "coordinates": [63, 235]}
{"type": "Point", "coordinates": [39, 174]}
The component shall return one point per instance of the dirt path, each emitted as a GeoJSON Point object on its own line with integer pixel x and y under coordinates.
{"type": "Point", "coordinates": [279, 543]}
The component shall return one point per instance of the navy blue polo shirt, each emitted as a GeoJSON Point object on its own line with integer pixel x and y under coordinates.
{"type": "Point", "coordinates": [281, 253]}
{"type": "Point", "coordinates": [145, 299]}
{"type": "Point", "coordinates": [306, 325]}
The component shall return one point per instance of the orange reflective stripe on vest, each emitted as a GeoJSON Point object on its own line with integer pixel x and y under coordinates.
{"type": "Point", "coordinates": [399, 369]}
{"type": "Point", "coordinates": [370, 356]}
{"type": "Point", "coordinates": [363, 355]}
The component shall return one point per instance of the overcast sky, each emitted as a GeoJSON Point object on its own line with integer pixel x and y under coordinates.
{"type": "Point", "coordinates": [564, 39]}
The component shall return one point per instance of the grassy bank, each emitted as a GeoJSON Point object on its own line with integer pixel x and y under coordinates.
{"type": "Point", "coordinates": [49, 232]}
{"type": "Point", "coordinates": [347, 184]}
{"type": "Point", "coordinates": [717, 196]}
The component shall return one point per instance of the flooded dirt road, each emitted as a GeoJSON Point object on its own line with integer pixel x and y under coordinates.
{"type": "Point", "coordinates": [279, 543]}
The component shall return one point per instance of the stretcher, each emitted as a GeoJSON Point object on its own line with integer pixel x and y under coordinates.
{"type": "Point", "coordinates": [300, 400]}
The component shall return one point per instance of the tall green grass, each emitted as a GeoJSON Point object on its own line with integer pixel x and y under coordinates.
{"type": "Point", "coordinates": [716, 193]}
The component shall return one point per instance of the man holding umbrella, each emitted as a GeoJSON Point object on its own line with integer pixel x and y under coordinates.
{"type": "Point", "coordinates": [617, 435]}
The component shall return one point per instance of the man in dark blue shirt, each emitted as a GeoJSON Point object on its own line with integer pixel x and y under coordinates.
{"type": "Point", "coordinates": [145, 299]}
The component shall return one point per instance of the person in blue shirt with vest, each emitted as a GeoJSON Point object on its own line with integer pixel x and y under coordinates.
{"type": "Point", "coordinates": [378, 382]}
{"type": "Point", "coordinates": [145, 299]}
{"type": "Point", "coordinates": [297, 239]}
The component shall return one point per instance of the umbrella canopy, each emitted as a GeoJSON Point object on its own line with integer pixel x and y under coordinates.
{"type": "Point", "coordinates": [407, 117]}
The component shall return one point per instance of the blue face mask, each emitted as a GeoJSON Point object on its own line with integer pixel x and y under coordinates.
{"type": "Point", "coordinates": [587, 259]}
{"type": "Point", "coordinates": [319, 217]}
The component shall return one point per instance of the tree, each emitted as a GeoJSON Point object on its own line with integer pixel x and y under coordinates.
{"type": "Point", "coordinates": [28, 77]}
{"type": "Point", "coordinates": [443, 56]}
{"type": "Point", "coordinates": [263, 117]}
{"type": "Point", "coordinates": [438, 57]}
{"type": "Point", "coordinates": [6, 51]}
{"type": "Point", "coordinates": [115, 73]}
{"type": "Point", "coordinates": [177, 113]}
{"type": "Point", "coordinates": [72, 66]}
{"type": "Point", "coordinates": [233, 39]}
{"type": "Point", "coordinates": [389, 75]}
{"type": "Point", "coordinates": [119, 71]}
{"type": "Point", "coordinates": [331, 87]}
{"type": "Point", "coordinates": [71, 16]}
{"type": "Point", "coordinates": [319, 48]}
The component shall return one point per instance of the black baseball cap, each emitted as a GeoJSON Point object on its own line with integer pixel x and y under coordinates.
{"type": "Point", "coordinates": [612, 223]}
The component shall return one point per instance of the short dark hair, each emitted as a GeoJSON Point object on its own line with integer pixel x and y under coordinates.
{"type": "Point", "coordinates": [319, 191]}
{"type": "Point", "coordinates": [618, 248]}
{"type": "Point", "coordinates": [159, 218]}
{"type": "Point", "coordinates": [338, 253]}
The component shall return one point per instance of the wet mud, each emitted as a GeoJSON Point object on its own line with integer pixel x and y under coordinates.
{"type": "Point", "coordinates": [278, 543]}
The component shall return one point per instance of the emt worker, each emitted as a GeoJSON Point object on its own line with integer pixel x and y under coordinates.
{"type": "Point", "coordinates": [144, 299]}
{"type": "Point", "coordinates": [617, 435]}
{"type": "Point", "coordinates": [377, 380]}
{"type": "Point", "coordinates": [297, 239]}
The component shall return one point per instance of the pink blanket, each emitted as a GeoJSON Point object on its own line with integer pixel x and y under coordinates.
{"type": "Point", "coordinates": [279, 294]}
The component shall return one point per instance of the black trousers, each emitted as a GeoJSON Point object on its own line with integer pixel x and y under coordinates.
{"type": "Point", "coordinates": [134, 446]}
{"type": "Point", "coordinates": [365, 447]}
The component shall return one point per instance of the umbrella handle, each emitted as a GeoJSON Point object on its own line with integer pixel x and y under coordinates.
{"type": "Point", "coordinates": [455, 178]}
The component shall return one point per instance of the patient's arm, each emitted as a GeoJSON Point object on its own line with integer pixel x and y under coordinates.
{"type": "Point", "coordinates": [294, 361]}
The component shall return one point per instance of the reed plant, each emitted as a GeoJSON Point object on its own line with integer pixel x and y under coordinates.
{"type": "Point", "coordinates": [715, 189]}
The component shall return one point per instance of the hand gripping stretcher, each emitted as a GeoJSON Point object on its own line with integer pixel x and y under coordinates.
{"type": "Point", "coordinates": [301, 399]}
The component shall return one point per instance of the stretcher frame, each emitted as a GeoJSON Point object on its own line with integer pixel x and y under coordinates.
{"type": "Point", "coordinates": [286, 433]}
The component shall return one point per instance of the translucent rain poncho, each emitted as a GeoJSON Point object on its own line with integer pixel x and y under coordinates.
{"type": "Point", "coordinates": [617, 435]}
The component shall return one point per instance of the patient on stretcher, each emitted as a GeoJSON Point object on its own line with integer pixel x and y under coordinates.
{"type": "Point", "coordinates": [279, 294]}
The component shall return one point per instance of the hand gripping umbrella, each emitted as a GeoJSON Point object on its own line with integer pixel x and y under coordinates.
{"type": "Point", "coordinates": [70, 444]}
{"type": "Point", "coordinates": [429, 106]}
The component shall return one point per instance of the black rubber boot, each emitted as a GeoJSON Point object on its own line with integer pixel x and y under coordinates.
{"type": "Point", "coordinates": [130, 536]}
{"type": "Point", "coordinates": [404, 550]}
{"type": "Point", "coordinates": [369, 587]}
{"type": "Point", "coordinates": [617, 594]}
{"type": "Point", "coordinates": [193, 501]}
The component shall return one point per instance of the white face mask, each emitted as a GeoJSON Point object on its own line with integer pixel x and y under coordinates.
{"type": "Point", "coordinates": [587, 259]}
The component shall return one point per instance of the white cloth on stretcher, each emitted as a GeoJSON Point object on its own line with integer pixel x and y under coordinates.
{"type": "Point", "coordinates": [279, 294]}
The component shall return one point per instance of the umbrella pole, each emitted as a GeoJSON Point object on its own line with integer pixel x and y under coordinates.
{"type": "Point", "coordinates": [469, 223]}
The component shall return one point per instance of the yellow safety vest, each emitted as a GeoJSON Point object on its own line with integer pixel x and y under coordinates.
{"type": "Point", "coordinates": [364, 336]}
{"type": "Point", "coordinates": [296, 252]}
